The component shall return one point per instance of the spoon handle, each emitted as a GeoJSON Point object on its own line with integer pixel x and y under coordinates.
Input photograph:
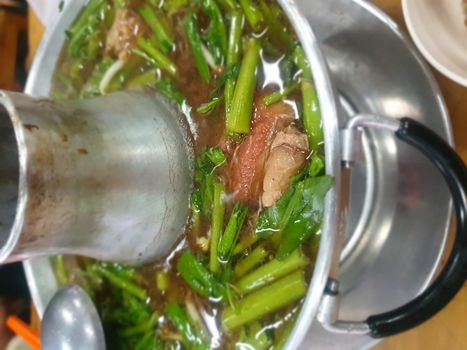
{"type": "Point", "coordinates": [25, 332]}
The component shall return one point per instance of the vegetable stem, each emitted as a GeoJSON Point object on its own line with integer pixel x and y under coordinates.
{"type": "Point", "coordinates": [311, 110]}
{"type": "Point", "coordinates": [253, 14]}
{"type": "Point", "coordinates": [246, 243]}
{"type": "Point", "coordinates": [198, 277]}
{"type": "Point", "coordinates": [250, 262]}
{"type": "Point", "coordinates": [190, 24]}
{"type": "Point", "coordinates": [265, 301]}
{"type": "Point", "coordinates": [233, 54]}
{"type": "Point", "coordinates": [167, 88]}
{"type": "Point", "coordinates": [147, 78]}
{"type": "Point", "coordinates": [161, 60]}
{"type": "Point", "coordinates": [62, 272]}
{"type": "Point", "coordinates": [229, 238]}
{"type": "Point", "coordinates": [238, 120]}
{"type": "Point", "coordinates": [216, 36]}
{"type": "Point", "coordinates": [229, 5]}
{"type": "Point", "coordinates": [279, 95]}
{"type": "Point", "coordinates": [162, 280]}
{"type": "Point", "coordinates": [181, 321]}
{"type": "Point", "coordinates": [271, 272]}
{"type": "Point", "coordinates": [163, 35]}
{"type": "Point", "coordinates": [122, 283]}
{"type": "Point", "coordinates": [216, 228]}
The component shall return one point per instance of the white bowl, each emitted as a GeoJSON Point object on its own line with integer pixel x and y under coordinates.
{"type": "Point", "coordinates": [437, 28]}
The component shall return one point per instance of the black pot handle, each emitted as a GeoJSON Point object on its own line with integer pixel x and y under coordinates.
{"type": "Point", "coordinates": [454, 274]}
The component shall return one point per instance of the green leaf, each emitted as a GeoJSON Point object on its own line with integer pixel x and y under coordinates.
{"type": "Point", "coordinates": [297, 215]}
{"type": "Point", "coordinates": [199, 278]}
{"type": "Point", "coordinates": [307, 216]}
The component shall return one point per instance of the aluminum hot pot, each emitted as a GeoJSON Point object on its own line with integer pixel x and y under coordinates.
{"type": "Point", "coordinates": [377, 213]}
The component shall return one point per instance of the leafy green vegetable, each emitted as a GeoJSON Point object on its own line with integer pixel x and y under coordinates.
{"type": "Point", "coordinates": [252, 260]}
{"type": "Point", "coordinates": [230, 74]}
{"type": "Point", "coordinates": [205, 164]}
{"type": "Point", "coordinates": [190, 24]}
{"type": "Point", "coordinates": [199, 278]}
{"type": "Point", "coordinates": [193, 336]}
{"type": "Point", "coordinates": [277, 32]}
{"type": "Point", "coordinates": [233, 54]}
{"type": "Point", "coordinates": [297, 215]}
{"type": "Point", "coordinates": [270, 272]}
{"type": "Point", "coordinates": [168, 89]}
{"type": "Point", "coordinates": [253, 14]}
{"type": "Point", "coordinates": [91, 87]}
{"type": "Point", "coordinates": [279, 95]}
{"type": "Point", "coordinates": [239, 117]}
{"type": "Point", "coordinates": [229, 238]}
{"type": "Point", "coordinates": [254, 336]}
{"type": "Point", "coordinates": [155, 21]}
{"type": "Point", "coordinates": [265, 301]}
{"type": "Point", "coordinates": [216, 35]}
{"type": "Point", "coordinates": [120, 279]}
{"type": "Point", "coordinates": [84, 37]}
{"type": "Point", "coordinates": [162, 61]}
{"type": "Point", "coordinates": [311, 109]}
{"type": "Point", "coordinates": [61, 270]}
{"type": "Point", "coordinates": [217, 221]}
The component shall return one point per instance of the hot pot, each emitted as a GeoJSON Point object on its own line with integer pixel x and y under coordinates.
{"type": "Point", "coordinates": [344, 147]}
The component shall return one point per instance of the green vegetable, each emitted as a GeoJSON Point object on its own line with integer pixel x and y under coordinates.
{"type": "Point", "coordinates": [248, 263]}
{"type": "Point", "coordinates": [85, 35]}
{"type": "Point", "coordinates": [230, 74]}
{"type": "Point", "coordinates": [61, 270]}
{"type": "Point", "coordinates": [209, 106]}
{"type": "Point", "coordinates": [172, 6]}
{"type": "Point", "coordinates": [316, 167]}
{"type": "Point", "coordinates": [265, 301]}
{"type": "Point", "coordinates": [148, 78]}
{"type": "Point", "coordinates": [205, 165]}
{"type": "Point", "coordinates": [216, 36]}
{"type": "Point", "coordinates": [91, 87]}
{"type": "Point", "coordinates": [146, 326]}
{"type": "Point", "coordinates": [253, 14]}
{"type": "Point", "coordinates": [179, 317]}
{"type": "Point", "coordinates": [245, 243]}
{"type": "Point", "coordinates": [311, 110]}
{"type": "Point", "coordinates": [233, 54]}
{"type": "Point", "coordinates": [161, 60]}
{"type": "Point", "coordinates": [190, 24]}
{"type": "Point", "coordinates": [229, 238]}
{"type": "Point", "coordinates": [153, 19]}
{"type": "Point", "coordinates": [255, 336]}
{"type": "Point", "coordinates": [121, 281]}
{"type": "Point", "coordinates": [297, 215]}
{"type": "Point", "coordinates": [279, 95]}
{"type": "Point", "coordinates": [238, 120]}
{"type": "Point", "coordinates": [199, 278]}
{"type": "Point", "coordinates": [216, 227]}
{"type": "Point", "coordinates": [277, 32]}
{"type": "Point", "coordinates": [229, 5]}
{"type": "Point", "coordinates": [270, 272]}
{"type": "Point", "coordinates": [167, 88]}
{"type": "Point", "coordinates": [162, 280]}
{"type": "Point", "coordinates": [284, 331]}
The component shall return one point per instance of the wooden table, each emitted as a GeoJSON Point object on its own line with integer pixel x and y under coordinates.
{"type": "Point", "coordinates": [447, 329]}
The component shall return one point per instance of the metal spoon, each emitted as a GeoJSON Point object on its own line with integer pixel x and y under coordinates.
{"type": "Point", "coordinates": [71, 322]}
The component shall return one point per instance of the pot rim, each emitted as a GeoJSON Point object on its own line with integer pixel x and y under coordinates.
{"type": "Point", "coordinates": [39, 83]}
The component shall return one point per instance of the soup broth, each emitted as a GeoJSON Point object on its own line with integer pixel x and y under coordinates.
{"type": "Point", "coordinates": [238, 276]}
